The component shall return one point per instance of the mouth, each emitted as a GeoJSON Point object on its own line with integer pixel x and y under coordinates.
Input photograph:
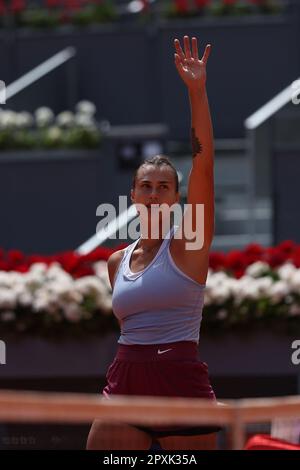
{"type": "Point", "coordinates": [155, 205]}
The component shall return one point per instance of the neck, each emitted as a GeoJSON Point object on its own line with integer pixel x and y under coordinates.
{"type": "Point", "coordinates": [147, 243]}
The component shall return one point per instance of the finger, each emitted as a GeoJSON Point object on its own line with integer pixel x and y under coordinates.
{"type": "Point", "coordinates": [206, 53]}
{"type": "Point", "coordinates": [178, 64]}
{"type": "Point", "coordinates": [187, 48]}
{"type": "Point", "coordinates": [179, 49]}
{"type": "Point", "coordinates": [195, 48]}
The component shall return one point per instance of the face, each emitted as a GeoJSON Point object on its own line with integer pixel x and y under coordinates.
{"type": "Point", "coordinates": [154, 185]}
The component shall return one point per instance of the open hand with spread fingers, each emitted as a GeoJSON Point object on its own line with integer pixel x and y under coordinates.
{"type": "Point", "coordinates": [191, 69]}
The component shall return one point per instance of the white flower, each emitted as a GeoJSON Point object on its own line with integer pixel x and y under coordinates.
{"type": "Point", "coordinates": [263, 286]}
{"type": "Point", "coordinates": [8, 119]}
{"type": "Point", "coordinates": [222, 295]}
{"type": "Point", "coordinates": [25, 299]}
{"type": "Point", "coordinates": [4, 279]}
{"type": "Point", "coordinates": [65, 119]}
{"type": "Point", "coordinates": [14, 278]}
{"type": "Point", "coordinates": [85, 120]}
{"type": "Point", "coordinates": [286, 271]}
{"type": "Point", "coordinates": [73, 312]}
{"type": "Point", "coordinates": [33, 280]}
{"type": "Point", "coordinates": [94, 287]}
{"type": "Point", "coordinates": [219, 288]}
{"type": "Point", "coordinates": [100, 266]}
{"type": "Point", "coordinates": [54, 133]}
{"type": "Point", "coordinates": [86, 107]}
{"type": "Point", "coordinates": [38, 268]}
{"type": "Point", "coordinates": [106, 304]}
{"type": "Point", "coordinates": [245, 288]}
{"type": "Point", "coordinates": [24, 120]}
{"type": "Point", "coordinates": [89, 284]}
{"type": "Point", "coordinates": [43, 116]}
{"type": "Point", "coordinates": [7, 299]}
{"type": "Point", "coordinates": [101, 271]}
{"type": "Point", "coordinates": [278, 291]}
{"type": "Point", "coordinates": [56, 273]}
{"type": "Point", "coordinates": [63, 292]}
{"type": "Point", "coordinates": [250, 291]}
{"type": "Point", "coordinates": [41, 301]}
{"type": "Point", "coordinates": [295, 281]}
{"type": "Point", "coordinates": [257, 269]}
{"type": "Point", "coordinates": [216, 279]}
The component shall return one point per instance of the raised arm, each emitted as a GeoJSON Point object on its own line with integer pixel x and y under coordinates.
{"type": "Point", "coordinates": [192, 70]}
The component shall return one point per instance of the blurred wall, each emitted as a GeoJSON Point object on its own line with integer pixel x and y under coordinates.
{"type": "Point", "coordinates": [129, 70]}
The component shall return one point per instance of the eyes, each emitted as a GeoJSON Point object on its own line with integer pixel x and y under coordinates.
{"type": "Point", "coordinates": [147, 185]}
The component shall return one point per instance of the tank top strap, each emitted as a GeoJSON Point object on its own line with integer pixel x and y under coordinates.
{"type": "Point", "coordinates": [126, 252]}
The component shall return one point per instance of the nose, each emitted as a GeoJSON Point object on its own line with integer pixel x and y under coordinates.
{"type": "Point", "coordinates": [153, 195]}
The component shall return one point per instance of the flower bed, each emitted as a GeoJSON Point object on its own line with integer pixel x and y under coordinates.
{"type": "Point", "coordinates": [69, 294]}
{"type": "Point", "coordinates": [44, 130]}
{"type": "Point", "coordinates": [54, 13]}
{"type": "Point", "coordinates": [187, 8]}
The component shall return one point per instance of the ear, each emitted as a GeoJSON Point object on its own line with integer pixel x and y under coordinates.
{"type": "Point", "coordinates": [132, 197]}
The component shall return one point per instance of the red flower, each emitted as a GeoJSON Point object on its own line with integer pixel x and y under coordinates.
{"type": "Point", "coordinates": [121, 246]}
{"type": "Point", "coordinates": [275, 257]}
{"type": "Point", "coordinates": [4, 266]}
{"type": "Point", "coordinates": [21, 268]}
{"type": "Point", "coordinates": [145, 5]}
{"type": "Point", "coordinates": [72, 4]}
{"type": "Point", "coordinates": [201, 3]}
{"type": "Point", "coordinates": [287, 246]}
{"type": "Point", "coordinates": [38, 259]}
{"type": "Point", "coordinates": [15, 257]}
{"type": "Point", "coordinates": [239, 273]}
{"type": "Point", "coordinates": [182, 6]}
{"type": "Point", "coordinates": [17, 5]}
{"type": "Point", "coordinates": [236, 261]}
{"type": "Point", "coordinates": [253, 253]}
{"type": "Point", "coordinates": [2, 7]}
{"type": "Point", "coordinates": [216, 260]}
{"type": "Point", "coordinates": [255, 249]}
{"type": "Point", "coordinates": [69, 260]}
{"type": "Point", "coordinates": [53, 3]}
{"type": "Point", "coordinates": [83, 271]}
{"type": "Point", "coordinates": [100, 253]}
{"type": "Point", "coordinates": [295, 257]}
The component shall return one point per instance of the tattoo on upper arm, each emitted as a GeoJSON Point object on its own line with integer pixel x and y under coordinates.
{"type": "Point", "coordinates": [196, 144]}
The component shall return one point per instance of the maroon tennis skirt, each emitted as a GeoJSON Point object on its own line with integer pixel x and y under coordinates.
{"type": "Point", "coordinates": [166, 370]}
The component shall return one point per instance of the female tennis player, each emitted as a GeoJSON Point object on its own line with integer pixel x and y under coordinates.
{"type": "Point", "coordinates": [158, 284]}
